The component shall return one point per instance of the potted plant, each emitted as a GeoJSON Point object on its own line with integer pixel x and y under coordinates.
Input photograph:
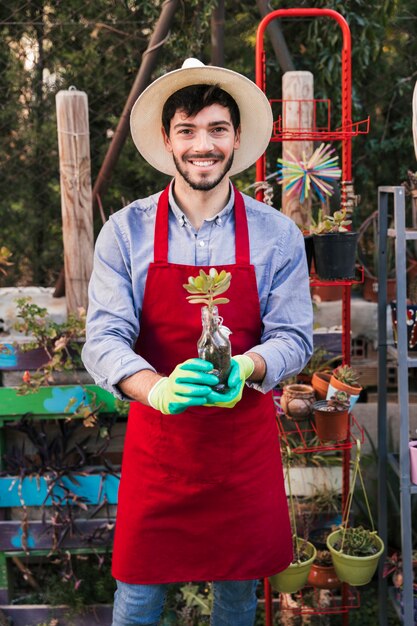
{"type": "Point", "coordinates": [322, 573]}
{"type": "Point", "coordinates": [355, 553]}
{"type": "Point", "coordinates": [334, 246]}
{"type": "Point", "coordinates": [345, 378]}
{"type": "Point", "coordinates": [214, 344]}
{"type": "Point", "coordinates": [355, 550]}
{"type": "Point", "coordinates": [331, 417]}
{"type": "Point", "coordinates": [295, 576]}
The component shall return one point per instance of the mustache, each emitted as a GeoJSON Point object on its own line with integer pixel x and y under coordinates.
{"type": "Point", "coordinates": [204, 157]}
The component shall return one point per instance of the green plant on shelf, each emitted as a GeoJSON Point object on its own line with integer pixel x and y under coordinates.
{"type": "Point", "coordinates": [61, 342]}
{"type": "Point", "coordinates": [335, 223]}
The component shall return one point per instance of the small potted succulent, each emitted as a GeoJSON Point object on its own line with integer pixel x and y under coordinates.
{"type": "Point", "coordinates": [334, 246]}
{"type": "Point", "coordinates": [322, 573]}
{"type": "Point", "coordinates": [345, 378]}
{"type": "Point", "coordinates": [355, 552]}
{"type": "Point", "coordinates": [331, 417]}
{"type": "Point", "coordinates": [214, 344]}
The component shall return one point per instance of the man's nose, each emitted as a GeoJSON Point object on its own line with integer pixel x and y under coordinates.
{"type": "Point", "coordinates": [203, 141]}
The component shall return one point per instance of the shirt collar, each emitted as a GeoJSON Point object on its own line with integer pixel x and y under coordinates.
{"type": "Point", "coordinates": [219, 219]}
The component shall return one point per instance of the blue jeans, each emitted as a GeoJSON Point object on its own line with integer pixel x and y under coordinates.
{"type": "Point", "coordinates": [234, 604]}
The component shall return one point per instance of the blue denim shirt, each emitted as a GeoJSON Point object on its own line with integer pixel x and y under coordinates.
{"type": "Point", "coordinates": [124, 250]}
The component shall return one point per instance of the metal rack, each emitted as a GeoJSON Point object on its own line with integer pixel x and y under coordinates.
{"type": "Point", "coordinates": [405, 361]}
{"type": "Point", "coordinates": [344, 134]}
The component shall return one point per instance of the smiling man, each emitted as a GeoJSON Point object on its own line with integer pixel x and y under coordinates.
{"type": "Point", "coordinates": [201, 495]}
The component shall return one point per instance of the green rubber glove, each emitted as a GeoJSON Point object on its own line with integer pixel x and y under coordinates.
{"type": "Point", "coordinates": [188, 385]}
{"type": "Point", "coordinates": [242, 368]}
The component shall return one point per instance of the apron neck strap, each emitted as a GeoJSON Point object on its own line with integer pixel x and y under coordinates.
{"type": "Point", "coordinates": [242, 249]}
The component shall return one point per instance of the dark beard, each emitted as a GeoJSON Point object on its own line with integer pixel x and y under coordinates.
{"type": "Point", "coordinates": [204, 185]}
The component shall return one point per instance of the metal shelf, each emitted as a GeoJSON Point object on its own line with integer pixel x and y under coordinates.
{"type": "Point", "coordinates": [405, 360]}
{"type": "Point", "coordinates": [410, 233]}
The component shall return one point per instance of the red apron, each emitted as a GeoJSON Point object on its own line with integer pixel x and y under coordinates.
{"type": "Point", "coordinates": [201, 495]}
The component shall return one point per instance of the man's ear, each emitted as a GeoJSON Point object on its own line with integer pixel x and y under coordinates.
{"type": "Point", "coordinates": [166, 139]}
{"type": "Point", "coordinates": [237, 139]}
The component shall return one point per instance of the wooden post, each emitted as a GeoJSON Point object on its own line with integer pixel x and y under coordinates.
{"type": "Point", "coordinates": [76, 196]}
{"type": "Point", "coordinates": [297, 113]}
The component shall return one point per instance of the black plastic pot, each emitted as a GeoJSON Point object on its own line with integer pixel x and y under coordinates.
{"type": "Point", "coordinates": [309, 246]}
{"type": "Point", "coordinates": [335, 255]}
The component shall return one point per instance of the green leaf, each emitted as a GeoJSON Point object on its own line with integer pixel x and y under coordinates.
{"type": "Point", "coordinates": [221, 300]}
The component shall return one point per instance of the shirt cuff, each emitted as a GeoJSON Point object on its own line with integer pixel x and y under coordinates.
{"type": "Point", "coordinates": [134, 365]}
{"type": "Point", "coordinates": [275, 365]}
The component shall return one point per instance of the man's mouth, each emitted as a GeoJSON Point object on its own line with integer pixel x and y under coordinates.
{"type": "Point", "coordinates": [202, 163]}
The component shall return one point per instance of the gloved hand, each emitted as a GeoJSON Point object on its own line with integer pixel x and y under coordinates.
{"type": "Point", "coordinates": [242, 368]}
{"type": "Point", "coordinates": [188, 385]}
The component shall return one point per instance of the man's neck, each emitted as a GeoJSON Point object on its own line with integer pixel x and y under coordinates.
{"type": "Point", "coordinates": [200, 205]}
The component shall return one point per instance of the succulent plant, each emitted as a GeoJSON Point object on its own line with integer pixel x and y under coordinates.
{"type": "Point", "coordinates": [323, 558]}
{"type": "Point", "coordinates": [205, 288]}
{"type": "Point", "coordinates": [335, 223]}
{"type": "Point", "coordinates": [347, 375]}
{"type": "Point", "coordinates": [358, 541]}
{"type": "Point", "coordinates": [340, 401]}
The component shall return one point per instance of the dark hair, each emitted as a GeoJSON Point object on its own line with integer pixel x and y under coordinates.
{"type": "Point", "coordinates": [194, 98]}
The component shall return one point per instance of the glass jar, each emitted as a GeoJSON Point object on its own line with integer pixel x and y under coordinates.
{"type": "Point", "coordinates": [214, 345]}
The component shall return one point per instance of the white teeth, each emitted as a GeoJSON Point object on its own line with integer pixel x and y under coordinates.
{"type": "Point", "coordinates": [203, 163]}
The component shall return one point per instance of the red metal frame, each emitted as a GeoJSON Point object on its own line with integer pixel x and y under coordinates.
{"type": "Point", "coordinates": [347, 125]}
{"type": "Point", "coordinates": [344, 133]}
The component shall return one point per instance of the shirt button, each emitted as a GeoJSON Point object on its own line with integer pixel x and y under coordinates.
{"type": "Point", "coordinates": [219, 220]}
{"type": "Point", "coordinates": [201, 244]}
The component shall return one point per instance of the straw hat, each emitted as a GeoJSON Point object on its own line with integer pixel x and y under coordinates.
{"type": "Point", "coordinates": [255, 114]}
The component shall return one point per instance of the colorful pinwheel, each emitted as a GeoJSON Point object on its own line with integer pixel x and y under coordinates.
{"type": "Point", "coordinates": [300, 176]}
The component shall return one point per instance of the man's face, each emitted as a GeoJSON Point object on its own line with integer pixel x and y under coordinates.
{"type": "Point", "coordinates": [202, 146]}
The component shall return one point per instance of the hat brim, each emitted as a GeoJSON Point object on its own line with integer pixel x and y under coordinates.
{"type": "Point", "coordinates": [255, 115]}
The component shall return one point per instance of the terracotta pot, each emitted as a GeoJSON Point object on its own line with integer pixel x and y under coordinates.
{"type": "Point", "coordinates": [370, 288]}
{"type": "Point", "coordinates": [320, 383]}
{"type": "Point", "coordinates": [327, 293]}
{"type": "Point", "coordinates": [330, 425]}
{"type": "Point", "coordinates": [297, 401]}
{"type": "Point", "coordinates": [337, 385]}
{"type": "Point", "coordinates": [323, 577]}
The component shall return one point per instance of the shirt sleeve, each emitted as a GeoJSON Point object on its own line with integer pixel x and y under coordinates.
{"type": "Point", "coordinates": [112, 317]}
{"type": "Point", "coordinates": [287, 321]}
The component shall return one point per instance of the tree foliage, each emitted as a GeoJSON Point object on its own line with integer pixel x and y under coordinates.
{"type": "Point", "coordinates": [48, 45]}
